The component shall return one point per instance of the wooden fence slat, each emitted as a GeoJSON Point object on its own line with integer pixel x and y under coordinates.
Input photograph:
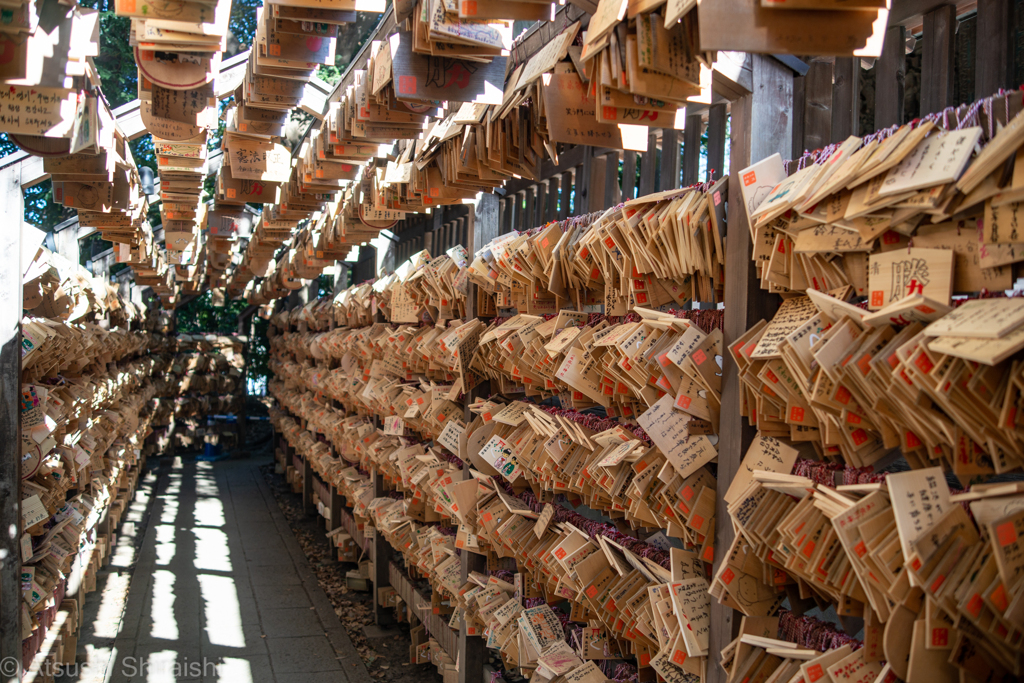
{"type": "Point", "coordinates": [994, 40]}
{"type": "Point", "coordinates": [817, 104]}
{"type": "Point", "coordinates": [691, 150]}
{"type": "Point", "coordinates": [845, 98]}
{"type": "Point", "coordinates": [668, 179]}
{"type": "Point", "coordinates": [937, 59]}
{"type": "Point", "coordinates": [890, 70]}
{"type": "Point", "coordinates": [716, 141]}
{"type": "Point", "coordinates": [648, 166]}
{"type": "Point", "coordinates": [628, 175]}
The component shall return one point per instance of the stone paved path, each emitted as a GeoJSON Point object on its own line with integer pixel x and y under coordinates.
{"type": "Point", "coordinates": [221, 590]}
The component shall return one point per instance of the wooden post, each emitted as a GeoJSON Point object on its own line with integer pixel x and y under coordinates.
{"type": "Point", "coordinates": [648, 166]}
{"type": "Point", "coordinates": [767, 111]}
{"type": "Point", "coordinates": [612, 192]}
{"type": "Point", "coordinates": [519, 222]}
{"type": "Point", "coordinates": [567, 187]}
{"type": "Point", "coordinates": [382, 616]}
{"type": "Point", "coordinates": [937, 59]}
{"type": "Point", "coordinates": [336, 502]}
{"type": "Point", "coordinates": [628, 175]}
{"type": "Point", "coordinates": [845, 98]}
{"type": "Point", "coordinates": [541, 207]}
{"type": "Point", "coordinates": [554, 192]}
{"type": "Point", "coordinates": [890, 70]}
{"type": "Point", "coordinates": [10, 419]}
{"type": "Point", "coordinates": [483, 228]}
{"type": "Point", "coordinates": [307, 486]}
{"type": "Point", "coordinates": [581, 203]}
{"type": "Point", "coordinates": [428, 239]}
{"type": "Point", "coordinates": [528, 212]}
{"type": "Point", "coordinates": [995, 44]}
{"type": "Point", "coordinates": [817, 104]}
{"type": "Point", "coordinates": [716, 141]}
{"type": "Point", "coordinates": [799, 101]}
{"type": "Point", "coordinates": [691, 150]}
{"type": "Point", "coordinates": [669, 178]}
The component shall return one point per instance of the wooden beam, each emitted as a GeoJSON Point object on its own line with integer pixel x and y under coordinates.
{"type": "Point", "coordinates": [732, 76]}
{"type": "Point", "coordinates": [817, 104]}
{"type": "Point", "coordinates": [890, 70]}
{"type": "Point", "coordinates": [937, 59]}
{"type": "Point", "coordinates": [845, 98]}
{"type": "Point", "coordinates": [10, 419]}
{"type": "Point", "coordinates": [766, 111]}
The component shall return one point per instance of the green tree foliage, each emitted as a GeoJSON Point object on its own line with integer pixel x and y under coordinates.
{"type": "Point", "coordinates": [351, 38]}
{"type": "Point", "coordinates": [119, 75]}
{"type": "Point", "coordinates": [200, 315]}
{"type": "Point", "coordinates": [257, 354]}
{"type": "Point", "coordinates": [243, 23]}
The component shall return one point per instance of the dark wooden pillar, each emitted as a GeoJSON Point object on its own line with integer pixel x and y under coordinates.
{"type": "Point", "coordinates": [937, 59]}
{"type": "Point", "coordinates": [890, 70]}
{"type": "Point", "coordinates": [845, 98]}
{"type": "Point", "coordinates": [817, 104]}
{"type": "Point", "coordinates": [716, 141]}
{"type": "Point", "coordinates": [628, 175]}
{"type": "Point", "coordinates": [540, 205]}
{"type": "Point", "coordinates": [612, 192]}
{"type": "Point", "coordinates": [995, 47]}
{"type": "Point", "coordinates": [566, 199]}
{"type": "Point", "coordinates": [691, 150]}
{"type": "Point", "coordinates": [648, 166]}
{"type": "Point", "coordinates": [307, 487]}
{"type": "Point", "coordinates": [382, 616]}
{"type": "Point", "coordinates": [669, 178]}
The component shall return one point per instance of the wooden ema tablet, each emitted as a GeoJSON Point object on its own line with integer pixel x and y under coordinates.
{"type": "Point", "coordinates": [185, 71]}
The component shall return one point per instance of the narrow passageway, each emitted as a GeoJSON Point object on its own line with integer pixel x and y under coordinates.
{"type": "Point", "coordinates": [221, 590]}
